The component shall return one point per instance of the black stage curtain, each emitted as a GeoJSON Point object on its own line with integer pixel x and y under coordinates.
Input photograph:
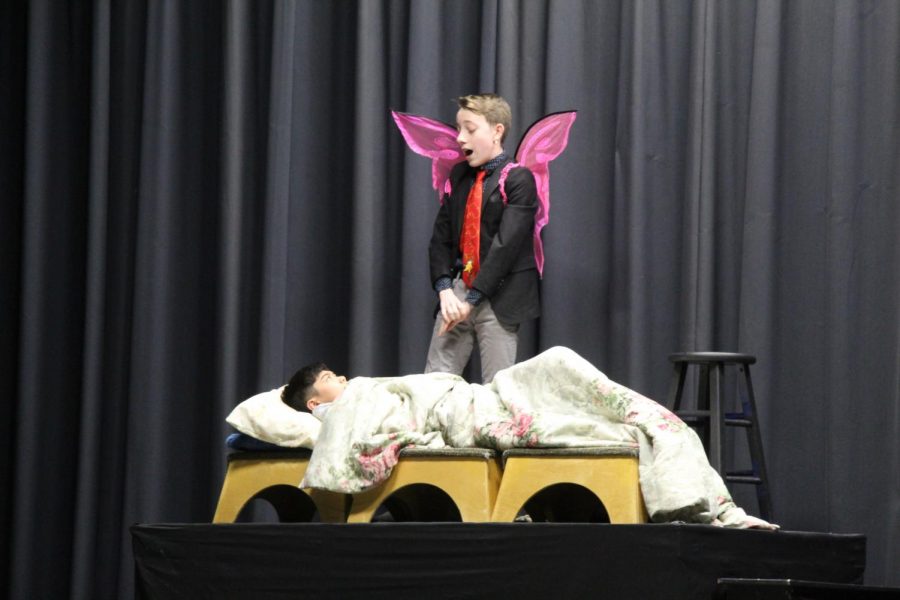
{"type": "Point", "coordinates": [197, 197]}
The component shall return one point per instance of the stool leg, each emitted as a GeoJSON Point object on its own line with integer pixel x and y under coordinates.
{"type": "Point", "coordinates": [676, 386]}
{"type": "Point", "coordinates": [754, 439]}
{"type": "Point", "coordinates": [716, 422]}
{"type": "Point", "coordinates": [704, 424]}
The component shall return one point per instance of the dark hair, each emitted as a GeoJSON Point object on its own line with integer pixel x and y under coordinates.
{"type": "Point", "coordinates": [300, 388]}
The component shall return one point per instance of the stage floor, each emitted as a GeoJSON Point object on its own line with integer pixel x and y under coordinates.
{"type": "Point", "coordinates": [476, 560]}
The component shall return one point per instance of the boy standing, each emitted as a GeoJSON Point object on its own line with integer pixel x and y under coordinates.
{"type": "Point", "coordinates": [481, 253]}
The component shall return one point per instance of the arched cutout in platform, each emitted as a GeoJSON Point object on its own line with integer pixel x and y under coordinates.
{"type": "Point", "coordinates": [566, 503]}
{"type": "Point", "coordinates": [420, 502]}
{"type": "Point", "coordinates": [468, 476]}
{"type": "Point", "coordinates": [611, 473]}
{"type": "Point", "coordinates": [290, 504]}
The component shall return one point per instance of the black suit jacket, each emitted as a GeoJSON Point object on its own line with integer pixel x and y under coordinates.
{"type": "Point", "coordinates": [508, 275]}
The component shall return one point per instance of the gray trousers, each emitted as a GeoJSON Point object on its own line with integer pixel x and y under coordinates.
{"type": "Point", "coordinates": [496, 342]}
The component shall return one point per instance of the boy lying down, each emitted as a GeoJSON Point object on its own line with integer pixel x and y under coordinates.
{"type": "Point", "coordinates": [556, 399]}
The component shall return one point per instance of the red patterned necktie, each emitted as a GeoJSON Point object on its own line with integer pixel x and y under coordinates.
{"type": "Point", "coordinates": [470, 239]}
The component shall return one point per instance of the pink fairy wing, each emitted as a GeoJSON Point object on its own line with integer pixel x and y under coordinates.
{"type": "Point", "coordinates": [544, 141]}
{"type": "Point", "coordinates": [433, 139]}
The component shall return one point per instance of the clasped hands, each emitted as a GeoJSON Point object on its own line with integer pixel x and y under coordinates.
{"type": "Point", "coordinates": [453, 311]}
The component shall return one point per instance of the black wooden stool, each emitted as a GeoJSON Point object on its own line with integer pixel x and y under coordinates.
{"type": "Point", "coordinates": [708, 415]}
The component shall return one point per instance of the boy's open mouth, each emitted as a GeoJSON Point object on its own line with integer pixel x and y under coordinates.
{"type": "Point", "coordinates": [467, 152]}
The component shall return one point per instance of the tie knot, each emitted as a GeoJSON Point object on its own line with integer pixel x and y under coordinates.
{"type": "Point", "coordinates": [480, 176]}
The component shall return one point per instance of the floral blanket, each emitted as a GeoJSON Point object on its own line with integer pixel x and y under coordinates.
{"type": "Point", "coordinates": [556, 399]}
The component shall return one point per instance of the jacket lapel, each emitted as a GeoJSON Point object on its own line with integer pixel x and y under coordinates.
{"type": "Point", "coordinates": [491, 182]}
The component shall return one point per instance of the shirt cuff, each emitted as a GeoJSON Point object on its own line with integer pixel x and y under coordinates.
{"type": "Point", "coordinates": [443, 283]}
{"type": "Point", "coordinates": [474, 297]}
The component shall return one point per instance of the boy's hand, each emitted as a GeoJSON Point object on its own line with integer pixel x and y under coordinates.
{"type": "Point", "coordinates": [465, 310]}
{"type": "Point", "coordinates": [451, 306]}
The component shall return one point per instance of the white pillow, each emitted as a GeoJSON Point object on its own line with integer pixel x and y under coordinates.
{"type": "Point", "coordinates": [265, 417]}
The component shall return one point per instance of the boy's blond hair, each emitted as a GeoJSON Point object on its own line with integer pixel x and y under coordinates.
{"type": "Point", "coordinates": [491, 106]}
